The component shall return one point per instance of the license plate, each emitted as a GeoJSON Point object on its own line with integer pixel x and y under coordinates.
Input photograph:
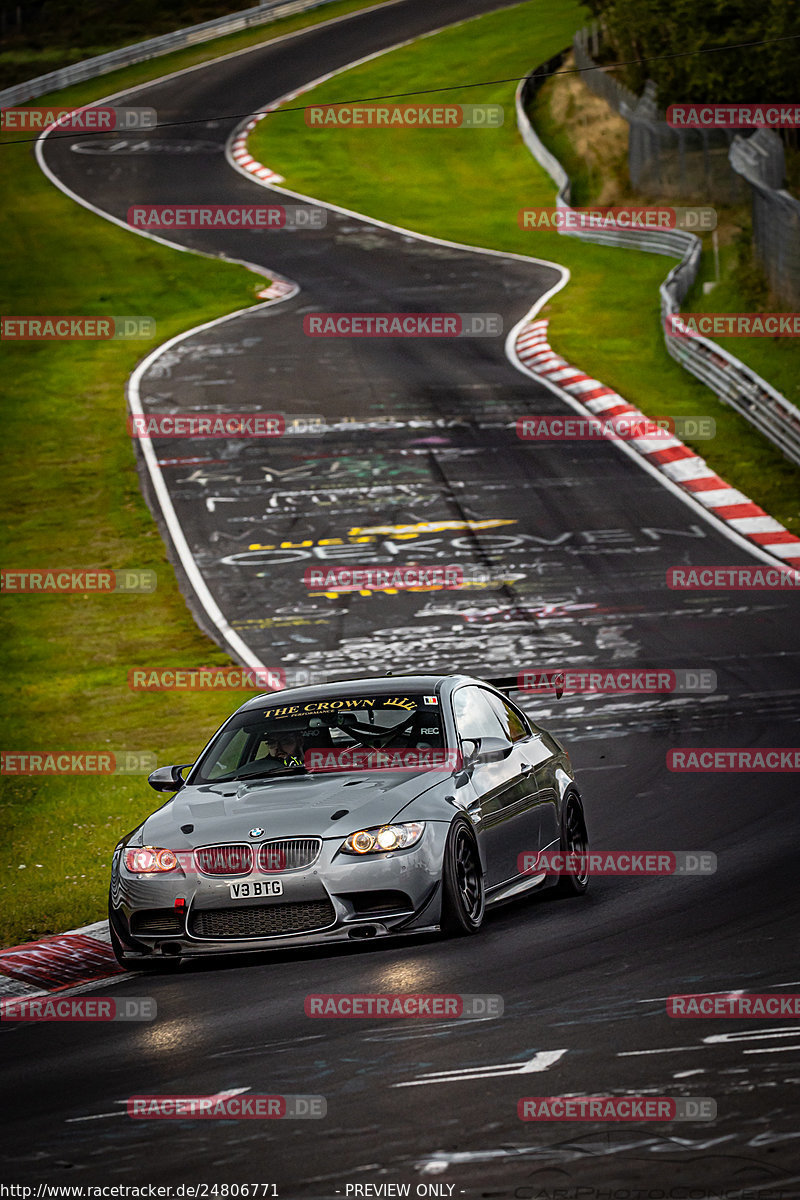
{"type": "Point", "coordinates": [256, 888]}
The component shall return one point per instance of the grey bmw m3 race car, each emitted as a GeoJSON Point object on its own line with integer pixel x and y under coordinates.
{"type": "Point", "coordinates": [373, 807]}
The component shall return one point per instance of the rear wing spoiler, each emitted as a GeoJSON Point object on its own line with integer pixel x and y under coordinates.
{"type": "Point", "coordinates": [511, 683]}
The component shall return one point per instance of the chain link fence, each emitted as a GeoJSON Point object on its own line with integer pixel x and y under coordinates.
{"type": "Point", "coordinates": [585, 48]}
{"type": "Point", "coordinates": [718, 164]}
{"type": "Point", "coordinates": [735, 383]}
{"type": "Point", "coordinates": [672, 162]}
{"type": "Point", "coordinates": [776, 214]}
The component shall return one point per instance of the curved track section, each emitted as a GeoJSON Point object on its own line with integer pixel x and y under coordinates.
{"type": "Point", "coordinates": [578, 537]}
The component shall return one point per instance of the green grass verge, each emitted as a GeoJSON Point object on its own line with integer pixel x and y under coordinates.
{"type": "Point", "coordinates": [567, 117]}
{"type": "Point", "coordinates": [126, 77]}
{"type": "Point", "coordinates": [741, 288]}
{"type": "Point", "coordinates": [71, 494]}
{"type": "Point", "coordinates": [69, 481]}
{"type": "Point", "coordinates": [469, 186]}
{"type": "Point", "coordinates": [49, 41]}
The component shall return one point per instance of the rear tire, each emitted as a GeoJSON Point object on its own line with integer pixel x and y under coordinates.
{"type": "Point", "coordinates": [574, 840]}
{"type": "Point", "coordinates": [463, 896]}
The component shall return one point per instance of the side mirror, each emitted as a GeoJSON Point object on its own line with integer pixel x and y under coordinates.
{"type": "Point", "coordinates": [469, 751]}
{"type": "Point", "coordinates": [168, 779]}
{"type": "Point", "coordinates": [493, 749]}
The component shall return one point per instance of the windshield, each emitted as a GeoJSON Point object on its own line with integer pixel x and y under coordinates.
{"type": "Point", "coordinates": [323, 734]}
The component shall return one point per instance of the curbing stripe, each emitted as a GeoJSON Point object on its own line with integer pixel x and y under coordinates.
{"type": "Point", "coordinates": [588, 385]}
{"type": "Point", "coordinates": [721, 497]}
{"type": "Point", "coordinates": [707, 484]}
{"type": "Point", "coordinates": [691, 472]}
{"type": "Point", "coordinates": [669, 456]}
{"type": "Point", "coordinates": [530, 347]}
{"type": "Point", "coordinates": [245, 160]}
{"type": "Point", "coordinates": [774, 539]}
{"type": "Point", "coordinates": [56, 963]}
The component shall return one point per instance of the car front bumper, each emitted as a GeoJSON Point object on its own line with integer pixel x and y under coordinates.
{"type": "Point", "coordinates": [342, 898]}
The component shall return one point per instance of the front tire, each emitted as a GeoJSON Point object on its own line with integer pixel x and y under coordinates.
{"type": "Point", "coordinates": [574, 840]}
{"type": "Point", "coordinates": [463, 896]}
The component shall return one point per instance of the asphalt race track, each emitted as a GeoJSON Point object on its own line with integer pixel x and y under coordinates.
{"type": "Point", "coordinates": [578, 539]}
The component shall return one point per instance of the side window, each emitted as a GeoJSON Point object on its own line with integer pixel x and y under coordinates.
{"type": "Point", "coordinates": [475, 717]}
{"type": "Point", "coordinates": [515, 726]}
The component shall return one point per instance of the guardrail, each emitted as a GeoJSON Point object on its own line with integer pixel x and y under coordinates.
{"type": "Point", "coordinates": [126, 56]}
{"type": "Point", "coordinates": [736, 384]}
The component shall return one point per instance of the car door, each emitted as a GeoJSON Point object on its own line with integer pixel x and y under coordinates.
{"type": "Point", "coordinates": [546, 766]}
{"type": "Point", "coordinates": [536, 805]}
{"type": "Point", "coordinates": [496, 792]}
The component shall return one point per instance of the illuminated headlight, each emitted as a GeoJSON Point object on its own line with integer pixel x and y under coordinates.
{"type": "Point", "coordinates": [150, 860]}
{"type": "Point", "coordinates": [383, 838]}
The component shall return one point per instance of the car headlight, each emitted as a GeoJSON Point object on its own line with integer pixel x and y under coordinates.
{"type": "Point", "coordinates": [150, 860]}
{"type": "Point", "coordinates": [383, 837]}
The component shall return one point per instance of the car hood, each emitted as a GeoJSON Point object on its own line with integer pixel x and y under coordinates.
{"type": "Point", "coordinates": [296, 806]}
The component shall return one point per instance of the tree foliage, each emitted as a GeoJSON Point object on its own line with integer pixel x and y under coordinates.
{"type": "Point", "coordinates": [654, 29]}
{"type": "Point", "coordinates": [98, 23]}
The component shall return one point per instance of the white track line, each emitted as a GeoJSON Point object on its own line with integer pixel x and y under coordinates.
{"type": "Point", "coordinates": [241, 651]}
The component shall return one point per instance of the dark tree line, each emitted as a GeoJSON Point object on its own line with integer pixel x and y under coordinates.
{"type": "Point", "coordinates": [654, 28]}
{"type": "Point", "coordinates": [100, 23]}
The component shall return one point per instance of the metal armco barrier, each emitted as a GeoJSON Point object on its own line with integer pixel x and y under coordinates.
{"type": "Point", "coordinates": [126, 56]}
{"type": "Point", "coordinates": [734, 382]}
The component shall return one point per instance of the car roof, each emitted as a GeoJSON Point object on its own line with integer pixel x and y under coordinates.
{"type": "Point", "coordinates": [363, 685]}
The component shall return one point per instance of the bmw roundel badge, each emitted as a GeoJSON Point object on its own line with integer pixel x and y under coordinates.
{"type": "Point", "coordinates": [256, 832]}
